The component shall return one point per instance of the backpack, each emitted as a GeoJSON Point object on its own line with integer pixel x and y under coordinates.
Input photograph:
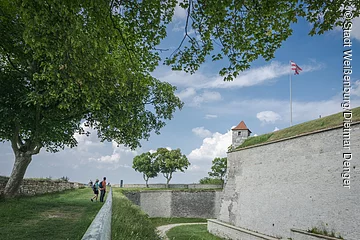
{"type": "Point", "coordinates": [100, 185]}
{"type": "Point", "coordinates": [94, 187]}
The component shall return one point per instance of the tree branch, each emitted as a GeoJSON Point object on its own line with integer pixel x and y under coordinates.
{"type": "Point", "coordinates": [34, 148]}
{"type": "Point", "coordinates": [15, 139]}
{"type": "Point", "coordinates": [120, 32]}
{"type": "Point", "coordinates": [186, 30]}
{"type": "Point", "coordinates": [13, 65]}
{"type": "Point", "coordinates": [161, 49]}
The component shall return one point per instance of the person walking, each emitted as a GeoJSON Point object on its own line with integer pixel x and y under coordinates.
{"type": "Point", "coordinates": [96, 190]}
{"type": "Point", "coordinates": [102, 189]}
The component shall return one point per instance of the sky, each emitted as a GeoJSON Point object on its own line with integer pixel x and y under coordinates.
{"type": "Point", "coordinates": [202, 129]}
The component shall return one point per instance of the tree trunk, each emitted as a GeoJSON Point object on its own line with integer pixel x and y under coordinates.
{"type": "Point", "coordinates": [22, 161]}
{"type": "Point", "coordinates": [146, 178]}
{"type": "Point", "coordinates": [167, 182]}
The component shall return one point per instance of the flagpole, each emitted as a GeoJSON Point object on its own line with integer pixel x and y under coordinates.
{"type": "Point", "coordinates": [290, 97]}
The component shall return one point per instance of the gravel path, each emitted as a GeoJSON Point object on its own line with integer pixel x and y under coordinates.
{"type": "Point", "coordinates": [164, 228]}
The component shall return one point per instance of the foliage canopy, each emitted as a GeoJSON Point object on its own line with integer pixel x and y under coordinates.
{"type": "Point", "coordinates": [171, 161]}
{"type": "Point", "coordinates": [146, 164]}
{"type": "Point", "coordinates": [218, 168]}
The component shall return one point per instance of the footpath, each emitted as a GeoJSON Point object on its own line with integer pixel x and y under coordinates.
{"type": "Point", "coordinates": [164, 228]}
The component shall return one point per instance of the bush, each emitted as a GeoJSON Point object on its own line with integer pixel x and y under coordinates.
{"type": "Point", "coordinates": [208, 180]}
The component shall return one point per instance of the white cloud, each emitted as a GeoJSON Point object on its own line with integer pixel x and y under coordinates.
{"type": "Point", "coordinates": [195, 168]}
{"type": "Point", "coordinates": [255, 135]}
{"type": "Point", "coordinates": [210, 116]}
{"type": "Point", "coordinates": [268, 116]}
{"type": "Point", "coordinates": [86, 142]}
{"type": "Point", "coordinates": [206, 97]}
{"type": "Point", "coordinates": [113, 166]}
{"type": "Point", "coordinates": [114, 158]}
{"type": "Point", "coordinates": [212, 147]}
{"type": "Point", "coordinates": [252, 77]}
{"type": "Point", "coordinates": [355, 30]}
{"type": "Point", "coordinates": [119, 152]}
{"type": "Point", "coordinates": [302, 110]}
{"type": "Point", "coordinates": [154, 151]}
{"type": "Point", "coordinates": [276, 129]}
{"type": "Point", "coordinates": [178, 26]}
{"type": "Point", "coordinates": [186, 93]}
{"type": "Point", "coordinates": [201, 132]}
{"type": "Point", "coordinates": [355, 90]}
{"type": "Point", "coordinates": [180, 13]}
{"type": "Point", "coordinates": [190, 96]}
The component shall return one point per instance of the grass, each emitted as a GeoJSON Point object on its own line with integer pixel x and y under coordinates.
{"type": "Point", "coordinates": [324, 232]}
{"type": "Point", "coordinates": [307, 127]}
{"type": "Point", "coordinates": [158, 221]}
{"type": "Point", "coordinates": [129, 222]}
{"type": "Point", "coordinates": [65, 215]}
{"type": "Point", "coordinates": [193, 232]}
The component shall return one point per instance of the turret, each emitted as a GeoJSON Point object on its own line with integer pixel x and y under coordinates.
{"type": "Point", "coordinates": [239, 134]}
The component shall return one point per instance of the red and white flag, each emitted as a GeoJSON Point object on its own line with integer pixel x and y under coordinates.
{"type": "Point", "coordinates": [295, 67]}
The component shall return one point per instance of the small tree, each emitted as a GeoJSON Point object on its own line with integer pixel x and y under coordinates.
{"type": "Point", "coordinates": [218, 168]}
{"type": "Point", "coordinates": [170, 161]}
{"type": "Point", "coordinates": [145, 164]}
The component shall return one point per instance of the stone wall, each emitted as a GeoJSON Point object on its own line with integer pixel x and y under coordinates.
{"type": "Point", "coordinates": [168, 203]}
{"type": "Point", "coordinates": [295, 183]}
{"type": "Point", "coordinates": [30, 187]}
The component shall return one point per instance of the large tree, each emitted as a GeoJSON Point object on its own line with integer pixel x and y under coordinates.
{"type": "Point", "coordinates": [171, 161]}
{"type": "Point", "coordinates": [64, 62]}
{"type": "Point", "coordinates": [146, 164]}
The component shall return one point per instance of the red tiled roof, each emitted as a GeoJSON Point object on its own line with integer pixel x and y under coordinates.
{"type": "Point", "coordinates": [241, 126]}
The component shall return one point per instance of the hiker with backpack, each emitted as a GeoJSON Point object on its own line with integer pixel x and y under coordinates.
{"type": "Point", "coordinates": [96, 190]}
{"type": "Point", "coordinates": [102, 187]}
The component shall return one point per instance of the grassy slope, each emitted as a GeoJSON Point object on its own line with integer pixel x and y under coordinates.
{"type": "Point", "coordinates": [128, 221]}
{"type": "Point", "coordinates": [314, 125]}
{"type": "Point", "coordinates": [193, 232]}
{"type": "Point", "coordinates": [65, 215]}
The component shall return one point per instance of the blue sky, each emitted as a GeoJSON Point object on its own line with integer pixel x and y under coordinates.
{"type": "Point", "coordinates": [259, 96]}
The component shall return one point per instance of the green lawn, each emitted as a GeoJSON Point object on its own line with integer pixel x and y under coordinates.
{"type": "Point", "coordinates": [65, 215]}
{"type": "Point", "coordinates": [307, 127]}
{"type": "Point", "coordinates": [193, 232]}
{"type": "Point", "coordinates": [129, 222]}
{"type": "Point", "coordinates": [158, 221]}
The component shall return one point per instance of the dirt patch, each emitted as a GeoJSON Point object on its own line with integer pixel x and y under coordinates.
{"type": "Point", "coordinates": [62, 214]}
